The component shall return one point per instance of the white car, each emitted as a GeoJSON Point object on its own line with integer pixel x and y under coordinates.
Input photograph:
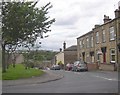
{"type": "Point", "coordinates": [79, 66]}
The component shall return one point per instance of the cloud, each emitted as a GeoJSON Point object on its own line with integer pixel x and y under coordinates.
{"type": "Point", "coordinates": [68, 19]}
{"type": "Point", "coordinates": [74, 18]}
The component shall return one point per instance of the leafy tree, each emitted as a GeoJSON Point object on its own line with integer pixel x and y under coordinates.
{"type": "Point", "coordinates": [22, 22]}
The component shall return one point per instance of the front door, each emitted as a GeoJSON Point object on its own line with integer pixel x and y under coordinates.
{"type": "Point", "coordinates": [83, 55]}
{"type": "Point", "coordinates": [104, 57]}
{"type": "Point", "coordinates": [103, 49]}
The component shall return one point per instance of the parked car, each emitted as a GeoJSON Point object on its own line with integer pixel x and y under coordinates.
{"type": "Point", "coordinates": [55, 67]}
{"type": "Point", "coordinates": [80, 66]}
{"type": "Point", "coordinates": [46, 68]}
{"type": "Point", "coordinates": [69, 66]}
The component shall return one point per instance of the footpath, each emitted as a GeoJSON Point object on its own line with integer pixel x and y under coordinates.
{"type": "Point", "coordinates": [47, 77]}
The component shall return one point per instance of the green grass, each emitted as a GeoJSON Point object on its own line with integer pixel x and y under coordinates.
{"type": "Point", "coordinates": [0, 73]}
{"type": "Point", "coordinates": [20, 72]}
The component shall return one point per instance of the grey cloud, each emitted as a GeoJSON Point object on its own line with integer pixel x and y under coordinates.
{"type": "Point", "coordinates": [73, 35]}
{"type": "Point", "coordinates": [75, 18]}
{"type": "Point", "coordinates": [68, 20]}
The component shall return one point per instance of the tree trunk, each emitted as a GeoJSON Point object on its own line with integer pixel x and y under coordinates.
{"type": "Point", "coordinates": [8, 60]}
{"type": "Point", "coordinates": [14, 59]}
{"type": "Point", "coordinates": [3, 59]}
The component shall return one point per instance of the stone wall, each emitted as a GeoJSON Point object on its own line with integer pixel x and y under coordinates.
{"type": "Point", "coordinates": [107, 67]}
{"type": "Point", "coordinates": [92, 66]}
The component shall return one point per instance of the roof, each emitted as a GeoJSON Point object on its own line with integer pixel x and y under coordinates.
{"type": "Point", "coordinates": [97, 27]}
{"type": "Point", "coordinates": [85, 34]}
{"type": "Point", "coordinates": [71, 48]}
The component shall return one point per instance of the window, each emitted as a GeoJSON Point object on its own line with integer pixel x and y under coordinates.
{"type": "Point", "coordinates": [87, 54]}
{"type": "Point", "coordinates": [112, 54]}
{"type": "Point", "coordinates": [112, 34]}
{"type": "Point", "coordinates": [80, 44]}
{"type": "Point", "coordinates": [92, 59]}
{"type": "Point", "coordinates": [87, 39]}
{"type": "Point", "coordinates": [103, 36]}
{"type": "Point", "coordinates": [91, 41]}
{"type": "Point", "coordinates": [97, 37]}
{"type": "Point", "coordinates": [87, 58]}
{"type": "Point", "coordinates": [83, 43]}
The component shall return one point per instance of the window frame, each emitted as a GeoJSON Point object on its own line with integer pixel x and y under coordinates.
{"type": "Point", "coordinates": [87, 42]}
{"type": "Point", "coordinates": [80, 44]}
{"type": "Point", "coordinates": [83, 43]}
{"type": "Point", "coordinates": [103, 36]}
{"type": "Point", "coordinates": [112, 54]}
{"type": "Point", "coordinates": [97, 37]}
{"type": "Point", "coordinates": [111, 33]}
{"type": "Point", "coordinates": [92, 41]}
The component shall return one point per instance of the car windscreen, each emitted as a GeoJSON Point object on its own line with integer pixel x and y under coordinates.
{"type": "Point", "coordinates": [79, 62]}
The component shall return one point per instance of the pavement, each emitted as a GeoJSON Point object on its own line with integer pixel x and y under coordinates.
{"type": "Point", "coordinates": [47, 77]}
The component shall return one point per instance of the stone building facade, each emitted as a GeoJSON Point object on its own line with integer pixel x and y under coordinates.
{"type": "Point", "coordinates": [59, 57]}
{"type": "Point", "coordinates": [99, 46]}
{"type": "Point", "coordinates": [68, 55]}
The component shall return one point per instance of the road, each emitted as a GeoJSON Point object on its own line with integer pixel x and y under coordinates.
{"type": "Point", "coordinates": [73, 82]}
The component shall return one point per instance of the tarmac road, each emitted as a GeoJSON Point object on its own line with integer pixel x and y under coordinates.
{"type": "Point", "coordinates": [72, 82]}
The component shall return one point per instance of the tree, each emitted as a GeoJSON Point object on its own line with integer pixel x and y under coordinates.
{"type": "Point", "coordinates": [22, 22]}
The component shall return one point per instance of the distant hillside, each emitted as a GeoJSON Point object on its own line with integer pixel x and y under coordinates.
{"type": "Point", "coordinates": [42, 55]}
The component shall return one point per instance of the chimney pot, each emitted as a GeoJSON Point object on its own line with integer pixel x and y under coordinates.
{"type": "Point", "coordinates": [64, 45]}
{"type": "Point", "coordinates": [60, 49]}
{"type": "Point", "coordinates": [106, 19]}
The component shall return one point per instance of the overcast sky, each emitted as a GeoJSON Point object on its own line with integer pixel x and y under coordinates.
{"type": "Point", "coordinates": [73, 19]}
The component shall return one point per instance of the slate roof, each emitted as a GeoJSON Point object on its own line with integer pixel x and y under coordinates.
{"type": "Point", "coordinates": [71, 48]}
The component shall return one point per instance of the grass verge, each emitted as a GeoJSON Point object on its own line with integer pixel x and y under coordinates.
{"type": "Point", "coordinates": [0, 73]}
{"type": "Point", "coordinates": [20, 72]}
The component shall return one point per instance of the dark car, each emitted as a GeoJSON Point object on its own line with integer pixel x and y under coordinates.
{"type": "Point", "coordinates": [79, 66]}
{"type": "Point", "coordinates": [55, 67]}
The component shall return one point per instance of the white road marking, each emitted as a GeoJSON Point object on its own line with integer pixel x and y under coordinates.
{"type": "Point", "coordinates": [80, 73]}
{"type": "Point", "coordinates": [106, 78]}
{"type": "Point", "coordinates": [67, 71]}
{"type": "Point", "coordinates": [76, 72]}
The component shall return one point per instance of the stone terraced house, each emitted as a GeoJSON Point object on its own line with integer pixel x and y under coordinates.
{"type": "Point", "coordinates": [99, 47]}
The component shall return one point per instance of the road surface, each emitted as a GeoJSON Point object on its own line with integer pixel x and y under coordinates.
{"type": "Point", "coordinates": [73, 82]}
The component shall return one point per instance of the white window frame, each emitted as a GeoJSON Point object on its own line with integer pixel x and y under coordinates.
{"type": "Point", "coordinates": [111, 55]}
{"type": "Point", "coordinates": [103, 36]}
{"type": "Point", "coordinates": [92, 41]}
{"type": "Point", "coordinates": [87, 42]}
{"type": "Point", "coordinates": [97, 37]}
{"type": "Point", "coordinates": [83, 43]}
{"type": "Point", "coordinates": [112, 33]}
{"type": "Point", "coordinates": [80, 42]}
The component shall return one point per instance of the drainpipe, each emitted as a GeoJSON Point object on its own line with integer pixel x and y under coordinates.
{"type": "Point", "coordinates": [117, 38]}
{"type": "Point", "coordinates": [116, 46]}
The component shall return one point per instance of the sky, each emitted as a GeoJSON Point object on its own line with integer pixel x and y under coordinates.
{"type": "Point", "coordinates": [73, 19]}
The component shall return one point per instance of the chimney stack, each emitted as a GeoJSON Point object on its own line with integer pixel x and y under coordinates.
{"type": "Point", "coordinates": [106, 18]}
{"type": "Point", "coordinates": [64, 45]}
{"type": "Point", "coordinates": [117, 11]}
{"type": "Point", "coordinates": [119, 5]}
{"type": "Point", "coordinates": [96, 26]}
